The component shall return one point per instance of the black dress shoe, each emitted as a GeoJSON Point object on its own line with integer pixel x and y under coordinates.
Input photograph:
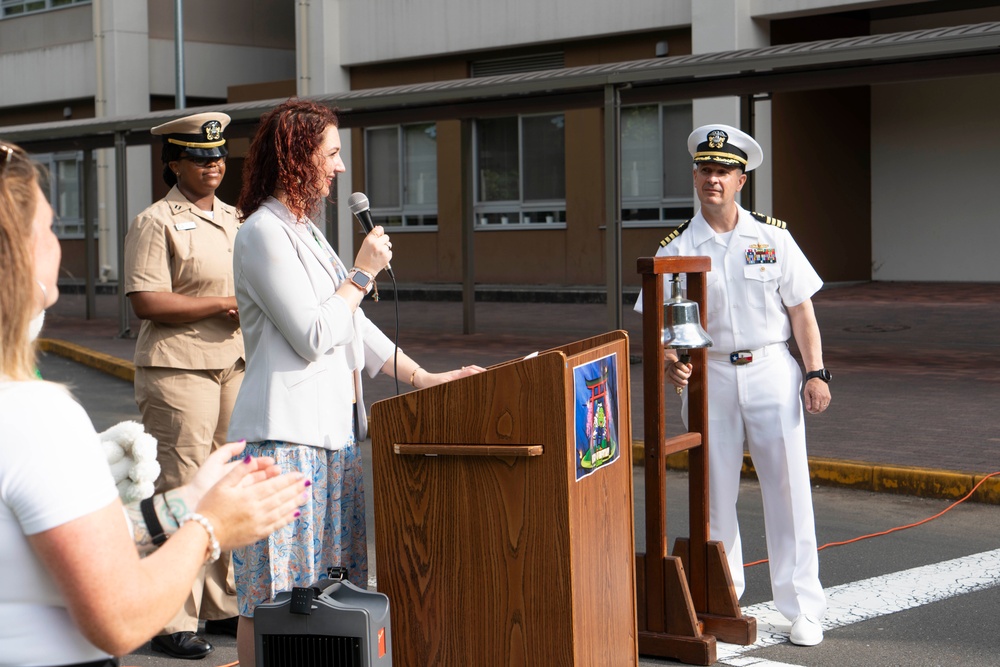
{"type": "Point", "coordinates": [185, 645]}
{"type": "Point", "coordinates": [223, 626]}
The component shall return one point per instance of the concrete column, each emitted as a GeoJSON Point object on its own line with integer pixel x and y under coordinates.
{"type": "Point", "coordinates": [121, 41]}
{"type": "Point", "coordinates": [726, 25]}
{"type": "Point", "coordinates": [318, 72]}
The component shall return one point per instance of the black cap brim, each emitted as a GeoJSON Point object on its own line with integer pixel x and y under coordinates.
{"type": "Point", "coordinates": [217, 151]}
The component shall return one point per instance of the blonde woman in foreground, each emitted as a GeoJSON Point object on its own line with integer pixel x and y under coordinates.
{"type": "Point", "coordinates": [74, 590]}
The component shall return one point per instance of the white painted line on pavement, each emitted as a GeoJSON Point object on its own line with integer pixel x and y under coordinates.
{"type": "Point", "coordinates": [749, 661]}
{"type": "Point", "coordinates": [863, 600]}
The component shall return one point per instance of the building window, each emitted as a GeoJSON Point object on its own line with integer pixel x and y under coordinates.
{"type": "Point", "coordinates": [65, 180]}
{"type": "Point", "coordinates": [656, 167]}
{"type": "Point", "coordinates": [19, 7]}
{"type": "Point", "coordinates": [520, 166]}
{"type": "Point", "coordinates": [401, 175]}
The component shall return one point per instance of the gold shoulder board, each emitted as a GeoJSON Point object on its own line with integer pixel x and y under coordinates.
{"type": "Point", "coordinates": [674, 234]}
{"type": "Point", "coordinates": [768, 220]}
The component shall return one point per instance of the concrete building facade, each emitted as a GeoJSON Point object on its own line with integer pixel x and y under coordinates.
{"type": "Point", "coordinates": [868, 169]}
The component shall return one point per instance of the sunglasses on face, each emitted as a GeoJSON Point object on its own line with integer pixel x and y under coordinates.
{"type": "Point", "coordinates": [204, 162]}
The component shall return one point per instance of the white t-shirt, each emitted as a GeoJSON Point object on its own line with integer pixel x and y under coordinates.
{"type": "Point", "coordinates": [52, 471]}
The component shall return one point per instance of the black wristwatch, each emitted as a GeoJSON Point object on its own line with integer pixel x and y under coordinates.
{"type": "Point", "coordinates": [822, 374]}
{"type": "Point", "coordinates": [156, 531]}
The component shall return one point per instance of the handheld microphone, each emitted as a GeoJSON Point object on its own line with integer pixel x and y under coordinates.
{"type": "Point", "coordinates": [359, 206]}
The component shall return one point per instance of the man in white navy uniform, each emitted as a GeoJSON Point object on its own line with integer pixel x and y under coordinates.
{"type": "Point", "coordinates": [758, 295]}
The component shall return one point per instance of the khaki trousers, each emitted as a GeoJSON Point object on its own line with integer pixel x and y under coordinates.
{"type": "Point", "coordinates": [187, 411]}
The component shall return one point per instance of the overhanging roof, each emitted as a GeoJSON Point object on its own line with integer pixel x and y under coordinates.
{"type": "Point", "coordinates": [968, 49]}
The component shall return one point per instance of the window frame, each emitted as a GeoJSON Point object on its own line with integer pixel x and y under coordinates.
{"type": "Point", "coordinates": [664, 204]}
{"type": "Point", "coordinates": [24, 10]}
{"type": "Point", "coordinates": [65, 227]}
{"type": "Point", "coordinates": [397, 218]}
{"type": "Point", "coordinates": [512, 213]}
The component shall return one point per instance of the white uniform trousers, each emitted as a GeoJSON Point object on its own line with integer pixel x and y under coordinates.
{"type": "Point", "coordinates": [760, 404]}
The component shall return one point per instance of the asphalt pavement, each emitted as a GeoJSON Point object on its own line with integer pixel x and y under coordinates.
{"type": "Point", "coordinates": [913, 420]}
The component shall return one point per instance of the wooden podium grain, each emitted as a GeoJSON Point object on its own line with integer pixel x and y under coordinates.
{"type": "Point", "coordinates": [490, 550]}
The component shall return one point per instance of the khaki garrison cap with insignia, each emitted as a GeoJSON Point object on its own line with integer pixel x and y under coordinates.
{"type": "Point", "coordinates": [726, 145]}
{"type": "Point", "coordinates": [199, 135]}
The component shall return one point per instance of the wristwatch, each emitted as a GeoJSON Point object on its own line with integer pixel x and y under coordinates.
{"type": "Point", "coordinates": [361, 279]}
{"type": "Point", "coordinates": [822, 374]}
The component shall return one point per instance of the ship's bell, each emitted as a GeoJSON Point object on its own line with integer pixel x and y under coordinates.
{"type": "Point", "coordinates": [682, 321]}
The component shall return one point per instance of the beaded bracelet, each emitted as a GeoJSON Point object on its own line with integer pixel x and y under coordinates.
{"type": "Point", "coordinates": [207, 525]}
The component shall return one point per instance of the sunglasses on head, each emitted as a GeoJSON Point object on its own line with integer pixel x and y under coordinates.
{"type": "Point", "coordinates": [7, 155]}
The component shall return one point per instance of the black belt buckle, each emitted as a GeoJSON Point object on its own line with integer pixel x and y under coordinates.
{"type": "Point", "coordinates": [740, 357]}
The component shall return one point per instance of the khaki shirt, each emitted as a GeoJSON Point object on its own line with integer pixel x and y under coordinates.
{"type": "Point", "coordinates": [174, 247]}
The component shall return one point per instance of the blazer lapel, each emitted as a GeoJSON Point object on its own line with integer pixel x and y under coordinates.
{"type": "Point", "coordinates": [321, 249]}
{"type": "Point", "coordinates": [325, 255]}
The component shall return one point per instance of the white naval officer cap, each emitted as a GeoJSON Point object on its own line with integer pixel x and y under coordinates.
{"type": "Point", "coordinates": [726, 145]}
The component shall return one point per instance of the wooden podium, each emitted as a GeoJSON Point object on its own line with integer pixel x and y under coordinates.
{"type": "Point", "coordinates": [494, 544]}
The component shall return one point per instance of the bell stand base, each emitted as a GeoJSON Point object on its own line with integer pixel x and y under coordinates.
{"type": "Point", "coordinates": [690, 636]}
{"type": "Point", "coordinates": [683, 637]}
{"type": "Point", "coordinates": [723, 618]}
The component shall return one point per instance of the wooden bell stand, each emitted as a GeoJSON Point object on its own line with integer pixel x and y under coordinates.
{"type": "Point", "coordinates": [686, 600]}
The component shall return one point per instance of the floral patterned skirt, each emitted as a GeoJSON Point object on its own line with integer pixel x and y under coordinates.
{"type": "Point", "coordinates": [330, 532]}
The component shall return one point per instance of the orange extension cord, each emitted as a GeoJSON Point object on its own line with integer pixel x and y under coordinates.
{"type": "Point", "coordinates": [897, 528]}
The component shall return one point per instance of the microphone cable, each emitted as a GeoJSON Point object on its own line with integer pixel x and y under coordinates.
{"type": "Point", "coordinates": [361, 209]}
{"type": "Point", "coordinates": [395, 337]}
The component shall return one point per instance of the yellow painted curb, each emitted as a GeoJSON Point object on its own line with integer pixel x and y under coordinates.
{"type": "Point", "coordinates": [119, 368]}
{"type": "Point", "coordinates": [989, 492]}
{"type": "Point", "coordinates": [922, 482]}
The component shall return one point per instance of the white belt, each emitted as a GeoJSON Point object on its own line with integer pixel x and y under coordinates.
{"type": "Point", "coordinates": [744, 357]}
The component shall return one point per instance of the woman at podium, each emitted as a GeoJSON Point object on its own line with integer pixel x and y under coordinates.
{"type": "Point", "coordinates": [307, 341]}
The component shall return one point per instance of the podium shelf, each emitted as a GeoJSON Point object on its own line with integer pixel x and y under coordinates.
{"type": "Point", "coordinates": [428, 449]}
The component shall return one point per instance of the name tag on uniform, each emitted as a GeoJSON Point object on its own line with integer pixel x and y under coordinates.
{"type": "Point", "coordinates": [185, 226]}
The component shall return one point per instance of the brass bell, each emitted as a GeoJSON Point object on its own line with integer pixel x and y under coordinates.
{"type": "Point", "coordinates": [682, 321]}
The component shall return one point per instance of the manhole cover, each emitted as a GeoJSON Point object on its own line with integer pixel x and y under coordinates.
{"type": "Point", "coordinates": [877, 328]}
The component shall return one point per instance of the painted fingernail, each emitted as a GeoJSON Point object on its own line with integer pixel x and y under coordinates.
{"type": "Point", "coordinates": [297, 514]}
{"type": "Point", "coordinates": [247, 458]}
{"type": "Point", "coordinates": [308, 483]}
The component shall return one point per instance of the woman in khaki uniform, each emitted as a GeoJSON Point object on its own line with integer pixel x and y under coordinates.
{"type": "Point", "coordinates": [189, 354]}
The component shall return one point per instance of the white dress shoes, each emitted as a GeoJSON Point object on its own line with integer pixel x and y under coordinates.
{"type": "Point", "coordinates": [806, 632]}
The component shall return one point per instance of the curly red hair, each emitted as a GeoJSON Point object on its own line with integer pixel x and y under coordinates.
{"type": "Point", "coordinates": [281, 157]}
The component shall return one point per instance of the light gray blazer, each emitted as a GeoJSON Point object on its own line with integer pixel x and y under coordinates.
{"type": "Point", "coordinates": [304, 348]}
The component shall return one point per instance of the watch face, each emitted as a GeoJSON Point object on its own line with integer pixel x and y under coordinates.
{"type": "Point", "coordinates": [822, 374]}
{"type": "Point", "coordinates": [360, 279]}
